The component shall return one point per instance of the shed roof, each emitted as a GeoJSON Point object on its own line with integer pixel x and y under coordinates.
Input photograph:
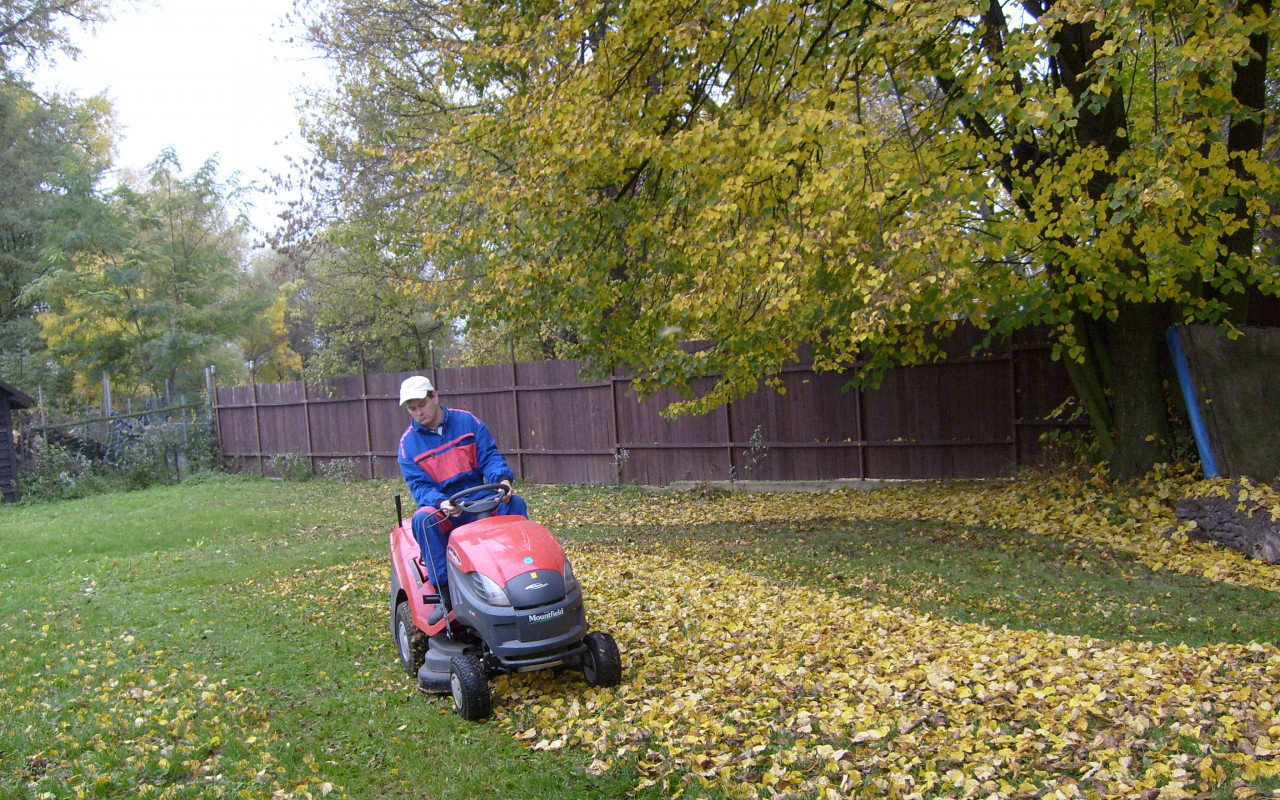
{"type": "Point", "coordinates": [16, 398]}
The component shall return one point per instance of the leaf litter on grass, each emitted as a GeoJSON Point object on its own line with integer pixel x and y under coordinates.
{"type": "Point", "coordinates": [761, 690]}
{"type": "Point", "coordinates": [108, 716]}
{"type": "Point", "coordinates": [1138, 519]}
{"type": "Point", "coordinates": [736, 685]}
{"type": "Point", "coordinates": [739, 686]}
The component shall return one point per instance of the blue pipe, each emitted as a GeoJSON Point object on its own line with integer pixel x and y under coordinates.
{"type": "Point", "coordinates": [1183, 372]}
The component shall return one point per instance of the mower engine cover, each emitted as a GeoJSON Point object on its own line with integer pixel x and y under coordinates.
{"type": "Point", "coordinates": [501, 548]}
{"type": "Point", "coordinates": [507, 578]}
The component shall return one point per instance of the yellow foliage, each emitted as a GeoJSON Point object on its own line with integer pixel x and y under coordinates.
{"type": "Point", "coordinates": [756, 689]}
{"type": "Point", "coordinates": [764, 690]}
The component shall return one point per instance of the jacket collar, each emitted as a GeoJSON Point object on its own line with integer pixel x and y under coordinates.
{"type": "Point", "coordinates": [444, 420]}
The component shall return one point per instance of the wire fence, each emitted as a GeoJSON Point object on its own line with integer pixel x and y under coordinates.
{"type": "Point", "coordinates": [70, 455]}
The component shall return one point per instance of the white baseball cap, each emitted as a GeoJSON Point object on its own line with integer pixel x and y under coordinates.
{"type": "Point", "coordinates": [415, 388]}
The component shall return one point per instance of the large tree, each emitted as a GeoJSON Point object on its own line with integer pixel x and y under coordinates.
{"type": "Point", "coordinates": [380, 279]}
{"type": "Point", "coordinates": [364, 286]}
{"type": "Point", "coordinates": [53, 151]}
{"type": "Point", "coordinates": [33, 31]}
{"type": "Point", "coordinates": [850, 175]}
{"type": "Point", "coordinates": [267, 340]}
{"type": "Point", "coordinates": [144, 285]}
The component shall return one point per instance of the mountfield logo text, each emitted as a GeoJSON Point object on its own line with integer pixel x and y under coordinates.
{"type": "Point", "coordinates": [559, 612]}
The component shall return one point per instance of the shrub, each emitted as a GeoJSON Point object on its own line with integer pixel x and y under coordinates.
{"type": "Point", "coordinates": [342, 470]}
{"type": "Point", "coordinates": [51, 471]}
{"type": "Point", "coordinates": [291, 467]}
{"type": "Point", "coordinates": [138, 453]}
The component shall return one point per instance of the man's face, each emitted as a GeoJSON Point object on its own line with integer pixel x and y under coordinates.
{"type": "Point", "coordinates": [423, 410]}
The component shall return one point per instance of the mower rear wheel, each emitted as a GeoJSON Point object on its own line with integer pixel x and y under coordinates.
{"type": "Point", "coordinates": [470, 687]}
{"type": "Point", "coordinates": [411, 643]}
{"type": "Point", "coordinates": [601, 663]}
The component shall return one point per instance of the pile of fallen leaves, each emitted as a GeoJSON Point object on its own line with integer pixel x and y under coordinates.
{"type": "Point", "coordinates": [775, 691]}
{"type": "Point", "coordinates": [1137, 519]}
{"type": "Point", "coordinates": [742, 686]}
{"type": "Point", "coordinates": [762, 690]}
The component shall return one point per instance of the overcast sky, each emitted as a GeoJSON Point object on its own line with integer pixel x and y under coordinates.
{"type": "Point", "coordinates": [207, 77]}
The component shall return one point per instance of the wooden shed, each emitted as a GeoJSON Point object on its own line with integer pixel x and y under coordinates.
{"type": "Point", "coordinates": [10, 399]}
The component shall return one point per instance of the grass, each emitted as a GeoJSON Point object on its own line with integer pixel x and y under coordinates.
{"type": "Point", "coordinates": [967, 573]}
{"type": "Point", "coordinates": [228, 638]}
{"type": "Point", "coordinates": [200, 599]}
{"type": "Point", "coordinates": [997, 578]}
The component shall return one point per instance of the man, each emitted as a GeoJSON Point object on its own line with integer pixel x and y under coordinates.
{"type": "Point", "coordinates": [442, 452]}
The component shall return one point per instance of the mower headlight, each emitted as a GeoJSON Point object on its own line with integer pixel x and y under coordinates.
{"type": "Point", "coordinates": [489, 590]}
{"type": "Point", "coordinates": [570, 580]}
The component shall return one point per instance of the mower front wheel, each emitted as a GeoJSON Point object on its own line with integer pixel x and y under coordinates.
{"type": "Point", "coordinates": [470, 687]}
{"type": "Point", "coordinates": [411, 643]}
{"type": "Point", "coordinates": [601, 663]}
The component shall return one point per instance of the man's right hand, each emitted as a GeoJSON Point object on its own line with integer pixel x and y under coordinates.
{"type": "Point", "coordinates": [450, 509]}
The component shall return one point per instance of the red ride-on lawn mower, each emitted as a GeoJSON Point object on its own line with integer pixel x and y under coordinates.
{"type": "Point", "coordinates": [514, 605]}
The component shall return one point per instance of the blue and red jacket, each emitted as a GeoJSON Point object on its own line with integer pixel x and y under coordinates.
{"type": "Point", "coordinates": [460, 454]}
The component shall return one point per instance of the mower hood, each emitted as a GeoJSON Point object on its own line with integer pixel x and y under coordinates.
{"type": "Point", "coordinates": [501, 548]}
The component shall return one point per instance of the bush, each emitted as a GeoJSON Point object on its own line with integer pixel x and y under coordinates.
{"type": "Point", "coordinates": [291, 467]}
{"type": "Point", "coordinates": [51, 471]}
{"type": "Point", "coordinates": [342, 470]}
{"type": "Point", "coordinates": [164, 451]}
{"type": "Point", "coordinates": [138, 454]}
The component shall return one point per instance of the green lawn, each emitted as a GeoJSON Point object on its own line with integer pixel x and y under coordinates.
{"type": "Point", "coordinates": [145, 637]}
{"type": "Point", "coordinates": [228, 638]}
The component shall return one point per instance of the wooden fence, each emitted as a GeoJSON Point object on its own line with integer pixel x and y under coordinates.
{"type": "Point", "coordinates": [964, 417]}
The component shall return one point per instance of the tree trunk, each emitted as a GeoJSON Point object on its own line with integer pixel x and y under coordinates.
{"type": "Point", "coordinates": [1091, 377]}
{"type": "Point", "coordinates": [1246, 133]}
{"type": "Point", "coordinates": [1142, 432]}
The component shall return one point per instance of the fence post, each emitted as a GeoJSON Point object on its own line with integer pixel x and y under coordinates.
{"type": "Point", "coordinates": [368, 423]}
{"type": "Point", "coordinates": [431, 354]}
{"type": "Point", "coordinates": [186, 441]}
{"type": "Point", "coordinates": [306, 417]}
{"type": "Point", "coordinates": [106, 404]}
{"type": "Point", "coordinates": [860, 431]}
{"type": "Point", "coordinates": [515, 402]}
{"type": "Point", "coordinates": [613, 428]}
{"type": "Point", "coordinates": [727, 416]}
{"type": "Point", "coordinates": [257, 424]}
{"type": "Point", "coordinates": [211, 393]}
{"type": "Point", "coordinates": [1013, 403]}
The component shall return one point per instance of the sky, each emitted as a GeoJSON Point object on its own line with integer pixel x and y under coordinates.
{"type": "Point", "coordinates": [207, 77]}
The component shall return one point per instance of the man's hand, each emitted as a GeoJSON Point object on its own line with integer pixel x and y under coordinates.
{"type": "Point", "coordinates": [450, 509]}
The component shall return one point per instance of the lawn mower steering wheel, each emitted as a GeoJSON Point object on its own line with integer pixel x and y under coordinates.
{"type": "Point", "coordinates": [483, 505]}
